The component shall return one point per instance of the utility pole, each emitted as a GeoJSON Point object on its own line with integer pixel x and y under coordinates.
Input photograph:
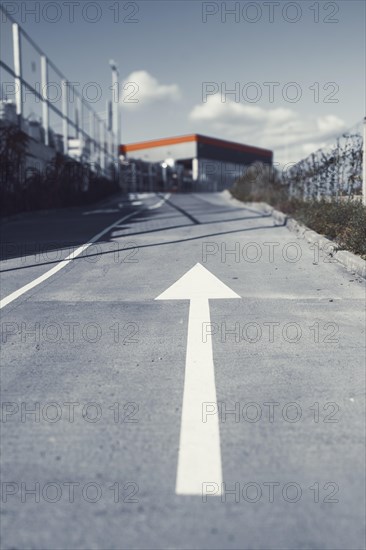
{"type": "Point", "coordinates": [115, 104]}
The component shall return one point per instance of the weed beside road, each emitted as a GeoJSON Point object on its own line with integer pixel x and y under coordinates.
{"type": "Point", "coordinates": [341, 219]}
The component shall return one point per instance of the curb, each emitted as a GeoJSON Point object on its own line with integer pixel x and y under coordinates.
{"type": "Point", "coordinates": [350, 261]}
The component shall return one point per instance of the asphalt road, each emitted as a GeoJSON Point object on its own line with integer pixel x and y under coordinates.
{"type": "Point", "coordinates": [102, 364]}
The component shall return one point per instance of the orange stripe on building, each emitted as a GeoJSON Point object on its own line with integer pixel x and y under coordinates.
{"type": "Point", "coordinates": [128, 148]}
{"type": "Point", "coordinates": [233, 145]}
{"type": "Point", "coordinates": [157, 143]}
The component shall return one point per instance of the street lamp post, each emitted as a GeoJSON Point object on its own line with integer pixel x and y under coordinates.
{"type": "Point", "coordinates": [115, 103]}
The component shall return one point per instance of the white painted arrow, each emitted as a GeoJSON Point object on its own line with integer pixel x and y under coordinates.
{"type": "Point", "coordinates": [199, 459]}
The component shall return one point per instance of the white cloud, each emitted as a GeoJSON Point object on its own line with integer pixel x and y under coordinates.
{"type": "Point", "coordinates": [217, 111]}
{"type": "Point", "coordinates": [288, 133]}
{"type": "Point", "coordinates": [141, 88]}
{"type": "Point", "coordinates": [330, 123]}
{"type": "Point", "coordinates": [311, 147]}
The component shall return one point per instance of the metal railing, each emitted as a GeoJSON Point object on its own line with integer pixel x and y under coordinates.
{"type": "Point", "coordinates": [69, 112]}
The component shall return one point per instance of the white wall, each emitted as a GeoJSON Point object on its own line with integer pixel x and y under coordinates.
{"type": "Point", "coordinates": [159, 154]}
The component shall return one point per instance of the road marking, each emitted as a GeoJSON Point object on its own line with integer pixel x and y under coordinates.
{"type": "Point", "coordinates": [160, 203]}
{"type": "Point", "coordinates": [63, 263]}
{"type": "Point", "coordinates": [133, 196]}
{"type": "Point", "coordinates": [199, 458]}
{"type": "Point", "coordinates": [106, 211]}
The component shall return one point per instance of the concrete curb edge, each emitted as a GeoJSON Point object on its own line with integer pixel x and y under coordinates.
{"type": "Point", "coordinates": [350, 261]}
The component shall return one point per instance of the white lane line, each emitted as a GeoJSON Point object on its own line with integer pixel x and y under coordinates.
{"type": "Point", "coordinates": [106, 211]}
{"type": "Point", "coordinates": [199, 459]}
{"type": "Point", "coordinates": [63, 263]}
{"type": "Point", "coordinates": [160, 203]}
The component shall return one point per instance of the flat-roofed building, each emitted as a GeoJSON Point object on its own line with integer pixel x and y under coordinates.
{"type": "Point", "coordinates": [199, 162]}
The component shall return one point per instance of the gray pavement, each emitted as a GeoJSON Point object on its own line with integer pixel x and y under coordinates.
{"type": "Point", "coordinates": [102, 364]}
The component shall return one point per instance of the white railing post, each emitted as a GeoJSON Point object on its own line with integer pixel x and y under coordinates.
{"type": "Point", "coordinates": [97, 140]}
{"type": "Point", "coordinates": [45, 107]}
{"type": "Point", "coordinates": [102, 140]}
{"type": "Point", "coordinates": [65, 126]}
{"type": "Point", "coordinates": [77, 118]}
{"type": "Point", "coordinates": [91, 136]}
{"type": "Point", "coordinates": [17, 49]}
{"type": "Point", "coordinates": [111, 148]}
{"type": "Point", "coordinates": [81, 118]}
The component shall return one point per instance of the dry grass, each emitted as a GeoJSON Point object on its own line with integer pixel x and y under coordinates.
{"type": "Point", "coordinates": [343, 221]}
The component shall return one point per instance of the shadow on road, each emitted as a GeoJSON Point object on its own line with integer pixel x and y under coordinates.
{"type": "Point", "coordinates": [17, 243]}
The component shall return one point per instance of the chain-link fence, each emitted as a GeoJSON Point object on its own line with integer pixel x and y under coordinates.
{"type": "Point", "coordinates": [335, 170]}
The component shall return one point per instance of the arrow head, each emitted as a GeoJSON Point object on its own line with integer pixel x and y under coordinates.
{"type": "Point", "coordinates": [197, 283]}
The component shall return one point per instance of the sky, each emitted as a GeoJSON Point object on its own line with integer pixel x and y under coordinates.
{"type": "Point", "coordinates": [288, 76]}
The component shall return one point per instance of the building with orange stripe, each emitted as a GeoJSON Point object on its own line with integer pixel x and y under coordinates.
{"type": "Point", "coordinates": [209, 163]}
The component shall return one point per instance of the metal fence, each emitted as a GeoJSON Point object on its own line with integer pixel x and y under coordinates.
{"type": "Point", "coordinates": [43, 99]}
{"type": "Point", "coordinates": [336, 170]}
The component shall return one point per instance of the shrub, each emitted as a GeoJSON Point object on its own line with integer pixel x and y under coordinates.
{"type": "Point", "coordinates": [344, 221]}
{"type": "Point", "coordinates": [59, 185]}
